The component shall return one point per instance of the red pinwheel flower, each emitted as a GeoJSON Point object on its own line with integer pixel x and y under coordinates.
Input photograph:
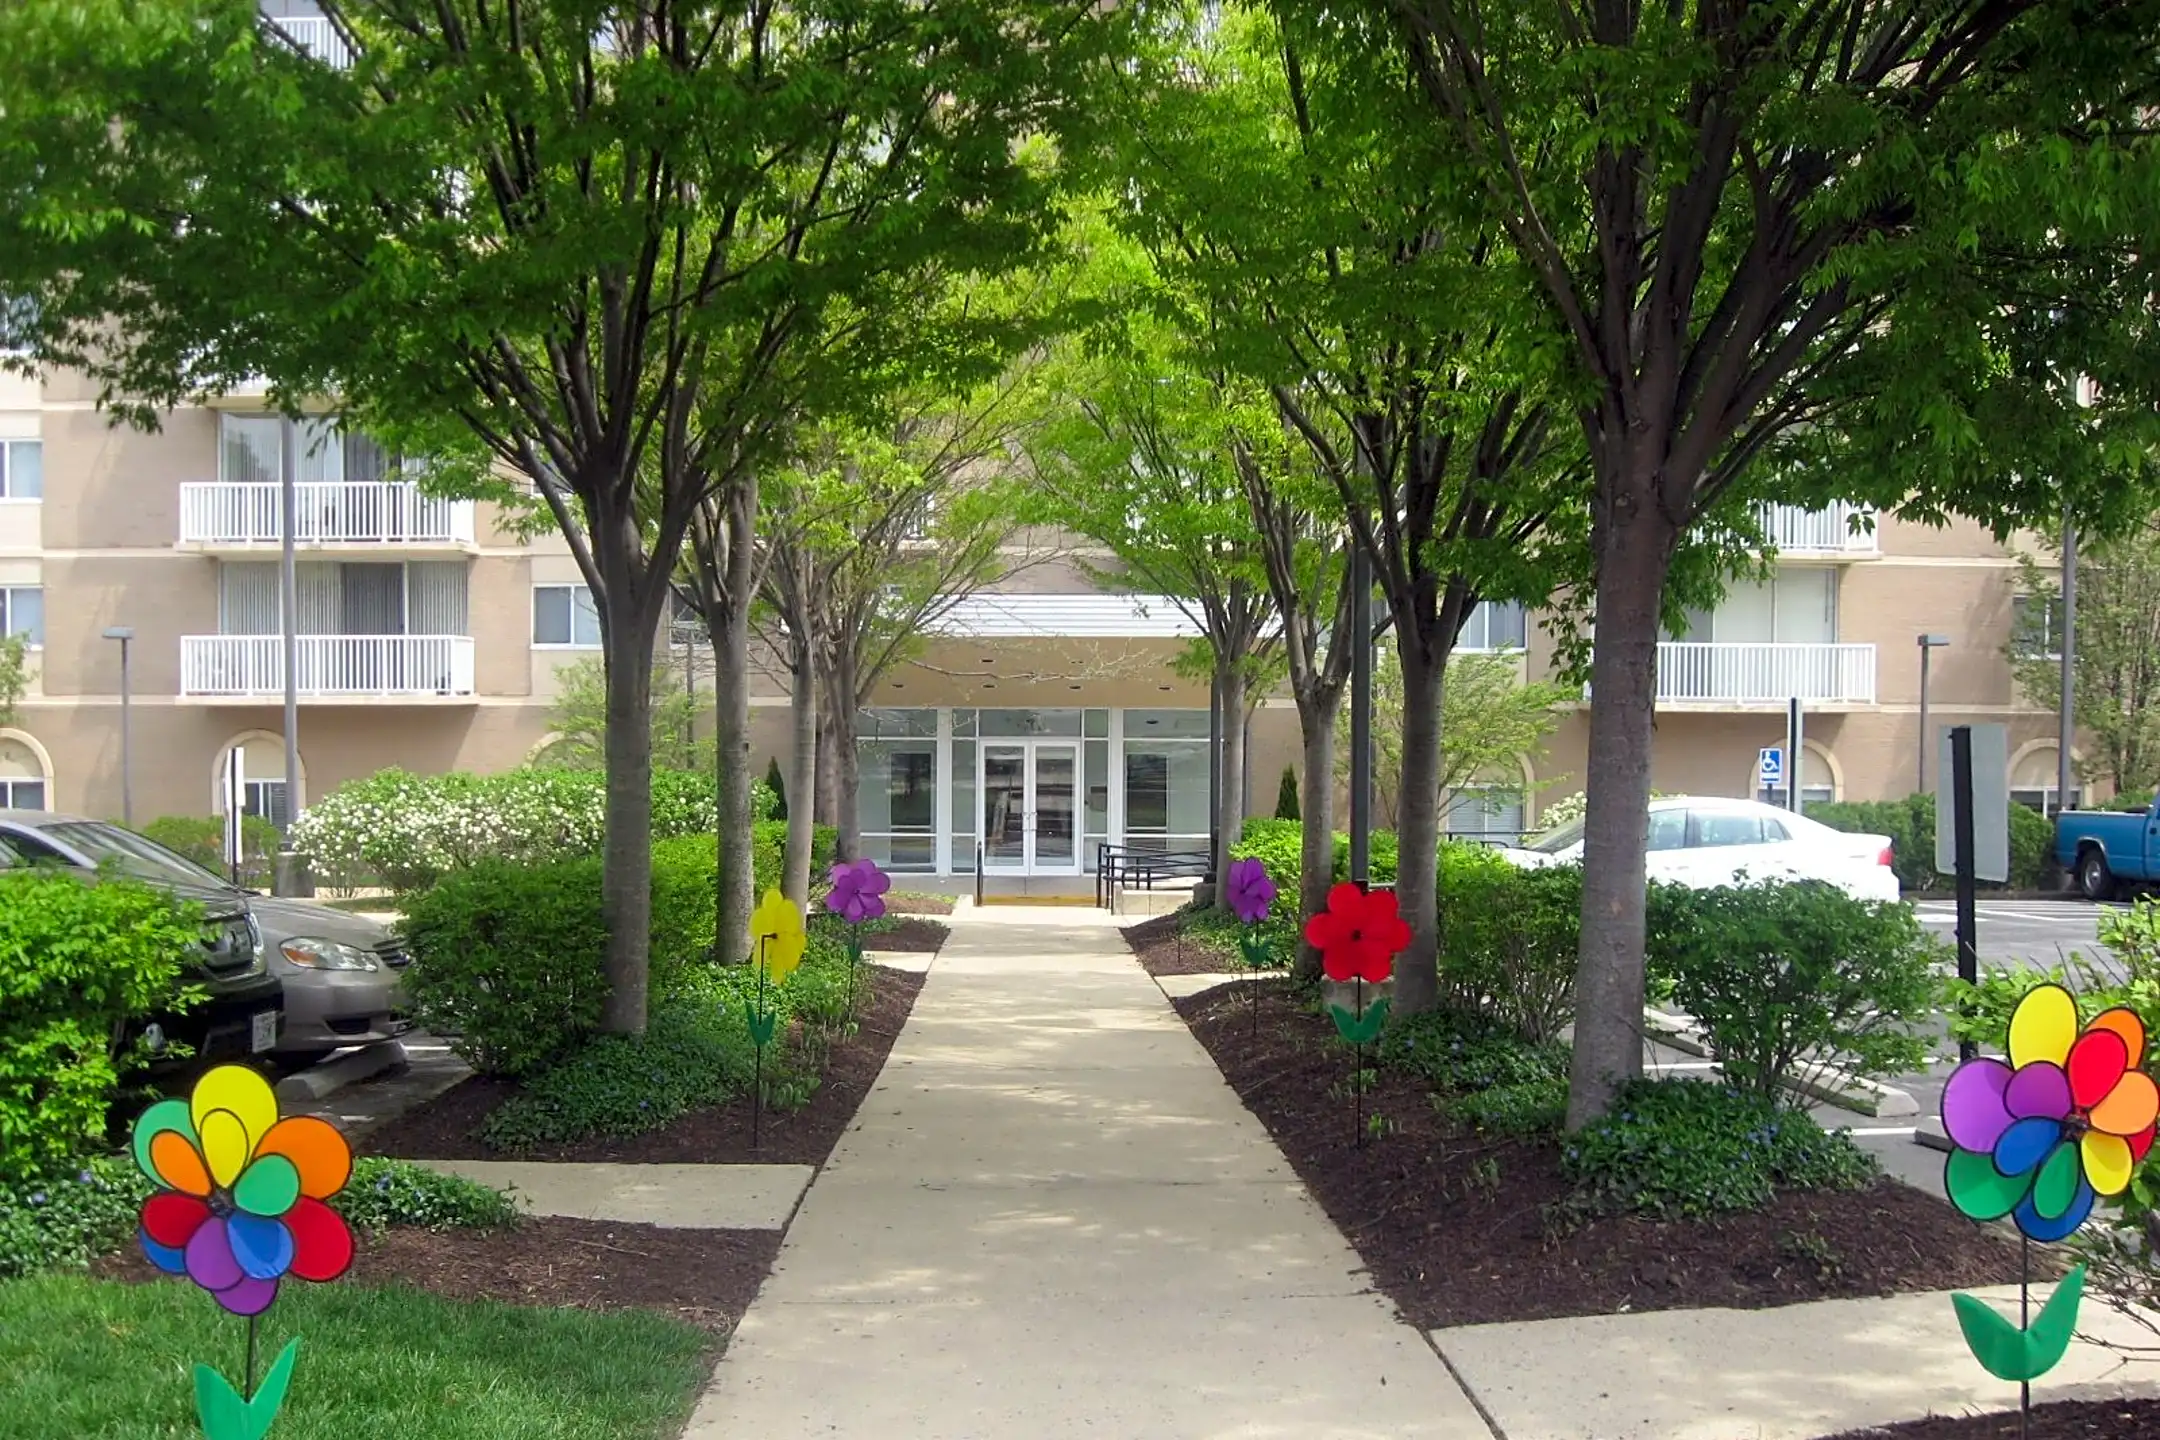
{"type": "Point", "coordinates": [1358, 934]}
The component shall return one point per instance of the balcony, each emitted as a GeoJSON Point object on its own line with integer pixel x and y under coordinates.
{"type": "Point", "coordinates": [1750, 675]}
{"type": "Point", "coordinates": [1825, 534]}
{"type": "Point", "coordinates": [318, 37]}
{"type": "Point", "coordinates": [383, 517]}
{"type": "Point", "coordinates": [396, 668]}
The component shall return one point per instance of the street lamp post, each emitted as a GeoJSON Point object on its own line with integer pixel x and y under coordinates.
{"type": "Point", "coordinates": [1928, 644]}
{"type": "Point", "coordinates": [123, 634]}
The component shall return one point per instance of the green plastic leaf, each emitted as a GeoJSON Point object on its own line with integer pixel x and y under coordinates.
{"type": "Point", "coordinates": [762, 1023]}
{"type": "Point", "coordinates": [1259, 955]}
{"type": "Point", "coordinates": [224, 1415]}
{"type": "Point", "coordinates": [2058, 1182]}
{"type": "Point", "coordinates": [270, 1395]}
{"type": "Point", "coordinates": [1360, 1029]}
{"type": "Point", "coordinates": [269, 1186]}
{"type": "Point", "coordinates": [2009, 1353]}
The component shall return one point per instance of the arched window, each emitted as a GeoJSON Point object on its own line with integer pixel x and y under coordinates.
{"type": "Point", "coordinates": [1492, 808]}
{"type": "Point", "coordinates": [263, 771]}
{"type": "Point", "coordinates": [1818, 779]}
{"type": "Point", "coordinates": [2033, 778]}
{"type": "Point", "coordinates": [25, 773]}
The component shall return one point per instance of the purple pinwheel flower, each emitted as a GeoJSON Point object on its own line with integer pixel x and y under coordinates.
{"type": "Point", "coordinates": [1251, 892]}
{"type": "Point", "coordinates": [858, 891]}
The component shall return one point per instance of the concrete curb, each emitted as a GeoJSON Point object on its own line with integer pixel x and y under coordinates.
{"type": "Point", "coordinates": [326, 1079]}
{"type": "Point", "coordinates": [1832, 1087]}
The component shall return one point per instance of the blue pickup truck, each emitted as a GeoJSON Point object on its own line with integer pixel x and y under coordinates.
{"type": "Point", "coordinates": [2108, 848]}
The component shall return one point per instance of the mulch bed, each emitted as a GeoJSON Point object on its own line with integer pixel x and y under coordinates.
{"type": "Point", "coordinates": [2067, 1420]}
{"type": "Point", "coordinates": [912, 934]}
{"type": "Point", "coordinates": [1162, 947]}
{"type": "Point", "coordinates": [704, 1277]}
{"type": "Point", "coordinates": [1453, 1225]}
{"type": "Point", "coordinates": [917, 904]}
{"type": "Point", "coordinates": [446, 1128]}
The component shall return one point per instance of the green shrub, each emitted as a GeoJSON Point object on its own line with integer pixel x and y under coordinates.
{"type": "Point", "coordinates": [54, 1217]}
{"type": "Point", "coordinates": [78, 961]}
{"type": "Point", "coordinates": [1691, 1148]}
{"type": "Point", "coordinates": [1534, 1107]}
{"type": "Point", "coordinates": [2132, 801]}
{"type": "Point", "coordinates": [1286, 798]}
{"type": "Point", "coordinates": [1279, 845]}
{"type": "Point", "coordinates": [383, 1193]}
{"type": "Point", "coordinates": [1787, 976]}
{"type": "Point", "coordinates": [776, 787]}
{"type": "Point", "coordinates": [768, 852]}
{"type": "Point", "coordinates": [1457, 1051]}
{"type": "Point", "coordinates": [1508, 940]}
{"type": "Point", "coordinates": [406, 831]}
{"type": "Point", "coordinates": [1910, 824]}
{"type": "Point", "coordinates": [201, 838]}
{"type": "Point", "coordinates": [509, 958]}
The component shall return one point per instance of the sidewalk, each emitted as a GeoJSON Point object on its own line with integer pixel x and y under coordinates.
{"type": "Point", "coordinates": [1054, 1219]}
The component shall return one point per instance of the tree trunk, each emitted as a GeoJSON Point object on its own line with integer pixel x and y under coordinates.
{"type": "Point", "coordinates": [827, 792]}
{"type": "Point", "coordinates": [731, 735]}
{"type": "Point", "coordinates": [1632, 562]}
{"type": "Point", "coordinates": [804, 773]}
{"type": "Point", "coordinates": [1316, 862]}
{"type": "Point", "coordinates": [1417, 825]}
{"type": "Point", "coordinates": [840, 713]}
{"type": "Point", "coordinates": [626, 863]}
{"type": "Point", "coordinates": [1229, 785]}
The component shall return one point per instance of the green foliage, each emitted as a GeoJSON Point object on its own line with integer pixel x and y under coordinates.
{"type": "Point", "coordinates": [63, 1217]}
{"type": "Point", "coordinates": [384, 1192]}
{"type": "Point", "coordinates": [407, 831]}
{"type": "Point", "coordinates": [1910, 824]}
{"type": "Point", "coordinates": [1535, 1107]}
{"type": "Point", "coordinates": [776, 786]}
{"type": "Point", "coordinates": [1286, 797]}
{"type": "Point", "coordinates": [1508, 940]}
{"type": "Point", "coordinates": [2114, 684]}
{"type": "Point", "coordinates": [77, 963]}
{"type": "Point", "coordinates": [14, 673]}
{"type": "Point", "coordinates": [1785, 978]}
{"type": "Point", "coordinates": [508, 957]}
{"type": "Point", "coordinates": [1690, 1148]}
{"type": "Point", "coordinates": [201, 838]}
{"type": "Point", "coordinates": [1490, 717]}
{"type": "Point", "coordinates": [696, 1051]}
{"type": "Point", "coordinates": [1455, 1050]}
{"type": "Point", "coordinates": [768, 853]}
{"type": "Point", "coordinates": [578, 717]}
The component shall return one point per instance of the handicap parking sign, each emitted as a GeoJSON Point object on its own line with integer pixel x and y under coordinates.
{"type": "Point", "coordinates": [1770, 768]}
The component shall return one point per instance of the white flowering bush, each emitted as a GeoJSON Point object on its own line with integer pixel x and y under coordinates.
{"type": "Point", "coordinates": [405, 831]}
{"type": "Point", "coordinates": [1570, 808]}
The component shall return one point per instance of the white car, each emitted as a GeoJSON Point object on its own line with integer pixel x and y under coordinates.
{"type": "Point", "coordinates": [1704, 841]}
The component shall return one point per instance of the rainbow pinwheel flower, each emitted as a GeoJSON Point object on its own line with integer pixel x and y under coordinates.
{"type": "Point", "coordinates": [777, 937]}
{"type": "Point", "coordinates": [2067, 1119]}
{"type": "Point", "coordinates": [240, 1198]}
{"type": "Point", "coordinates": [857, 890]}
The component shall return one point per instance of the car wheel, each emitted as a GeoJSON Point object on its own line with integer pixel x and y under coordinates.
{"type": "Point", "coordinates": [2095, 880]}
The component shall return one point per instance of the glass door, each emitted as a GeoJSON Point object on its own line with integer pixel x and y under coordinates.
{"type": "Point", "coordinates": [1004, 809]}
{"type": "Point", "coordinates": [1053, 779]}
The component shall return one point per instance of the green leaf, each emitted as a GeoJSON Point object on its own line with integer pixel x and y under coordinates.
{"type": "Point", "coordinates": [1360, 1029]}
{"type": "Point", "coordinates": [2008, 1353]}
{"type": "Point", "coordinates": [1258, 953]}
{"type": "Point", "coordinates": [762, 1022]}
{"type": "Point", "coordinates": [223, 1413]}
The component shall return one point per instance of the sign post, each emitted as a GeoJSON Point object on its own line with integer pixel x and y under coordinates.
{"type": "Point", "coordinates": [1794, 748]}
{"type": "Point", "coordinates": [1972, 829]}
{"type": "Point", "coordinates": [235, 809]}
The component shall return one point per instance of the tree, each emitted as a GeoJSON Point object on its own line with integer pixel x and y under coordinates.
{"type": "Point", "coordinates": [2115, 675]}
{"type": "Point", "coordinates": [1493, 719]}
{"type": "Point", "coordinates": [1144, 464]}
{"type": "Point", "coordinates": [719, 580]}
{"type": "Point", "coordinates": [578, 718]}
{"type": "Point", "coordinates": [1877, 236]}
{"type": "Point", "coordinates": [1286, 797]}
{"type": "Point", "coordinates": [14, 674]}
{"type": "Point", "coordinates": [616, 250]}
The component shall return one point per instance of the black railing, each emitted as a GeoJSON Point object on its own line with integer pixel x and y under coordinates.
{"type": "Point", "coordinates": [1119, 866]}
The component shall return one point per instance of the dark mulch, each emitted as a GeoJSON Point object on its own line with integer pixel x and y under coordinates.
{"type": "Point", "coordinates": [1453, 1225]}
{"type": "Point", "coordinates": [2067, 1420]}
{"type": "Point", "coordinates": [911, 902]}
{"type": "Point", "coordinates": [911, 933]}
{"type": "Point", "coordinates": [445, 1128]}
{"type": "Point", "coordinates": [705, 1277]}
{"type": "Point", "coordinates": [1163, 948]}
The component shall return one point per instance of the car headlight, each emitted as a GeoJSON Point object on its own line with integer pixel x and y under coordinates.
{"type": "Point", "coordinates": [316, 954]}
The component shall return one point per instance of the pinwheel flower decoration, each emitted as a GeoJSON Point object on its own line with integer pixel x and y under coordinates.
{"type": "Point", "coordinates": [2039, 1139]}
{"type": "Point", "coordinates": [778, 940]}
{"type": "Point", "coordinates": [239, 1206]}
{"type": "Point", "coordinates": [1358, 936]}
{"type": "Point", "coordinates": [857, 890]}
{"type": "Point", "coordinates": [1251, 895]}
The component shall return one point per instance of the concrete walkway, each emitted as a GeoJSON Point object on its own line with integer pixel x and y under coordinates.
{"type": "Point", "coordinates": [1052, 1218]}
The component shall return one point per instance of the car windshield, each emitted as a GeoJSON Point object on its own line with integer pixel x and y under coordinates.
{"type": "Point", "coordinates": [1557, 839]}
{"type": "Point", "coordinates": [144, 859]}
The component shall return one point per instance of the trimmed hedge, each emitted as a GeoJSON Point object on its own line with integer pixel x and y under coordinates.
{"type": "Point", "coordinates": [1910, 824]}
{"type": "Point", "coordinates": [201, 838]}
{"type": "Point", "coordinates": [1279, 845]}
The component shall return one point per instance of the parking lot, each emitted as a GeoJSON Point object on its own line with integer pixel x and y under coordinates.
{"type": "Point", "coordinates": [2038, 932]}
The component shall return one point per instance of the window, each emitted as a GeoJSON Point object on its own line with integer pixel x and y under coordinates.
{"type": "Point", "coordinates": [1668, 829]}
{"type": "Point", "coordinates": [22, 469]}
{"type": "Point", "coordinates": [251, 446]}
{"type": "Point", "coordinates": [1715, 829]}
{"type": "Point", "coordinates": [564, 615]}
{"type": "Point", "coordinates": [22, 612]}
{"type": "Point", "coordinates": [2033, 782]}
{"type": "Point", "coordinates": [1496, 625]}
{"type": "Point", "coordinates": [22, 778]}
{"type": "Point", "coordinates": [1797, 606]}
{"type": "Point", "coordinates": [1492, 814]}
{"type": "Point", "coordinates": [266, 801]}
{"type": "Point", "coordinates": [2035, 628]}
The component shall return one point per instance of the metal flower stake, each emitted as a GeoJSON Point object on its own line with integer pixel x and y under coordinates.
{"type": "Point", "coordinates": [1358, 936]}
{"type": "Point", "coordinates": [2039, 1139]}
{"type": "Point", "coordinates": [776, 929]}
{"type": "Point", "coordinates": [1252, 894]}
{"type": "Point", "coordinates": [857, 895]}
{"type": "Point", "coordinates": [239, 1206]}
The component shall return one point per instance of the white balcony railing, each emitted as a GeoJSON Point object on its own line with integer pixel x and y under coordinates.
{"type": "Point", "coordinates": [1828, 531]}
{"type": "Point", "coordinates": [1691, 672]}
{"type": "Point", "coordinates": [371, 512]}
{"type": "Point", "coordinates": [330, 665]}
{"type": "Point", "coordinates": [318, 37]}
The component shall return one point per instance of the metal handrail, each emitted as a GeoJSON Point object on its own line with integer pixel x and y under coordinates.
{"type": "Point", "coordinates": [1146, 865]}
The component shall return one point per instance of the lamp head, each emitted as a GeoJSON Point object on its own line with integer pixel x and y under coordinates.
{"type": "Point", "coordinates": [1933, 642]}
{"type": "Point", "coordinates": [119, 632]}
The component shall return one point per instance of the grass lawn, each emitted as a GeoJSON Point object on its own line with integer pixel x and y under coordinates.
{"type": "Point", "coordinates": [87, 1357]}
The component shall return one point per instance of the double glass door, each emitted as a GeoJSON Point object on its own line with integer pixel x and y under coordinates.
{"type": "Point", "coordinates": [1028, 788]}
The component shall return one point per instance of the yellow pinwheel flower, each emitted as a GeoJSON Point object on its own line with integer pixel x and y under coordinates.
{"type": "Point", "coordinates": [777, 938]}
